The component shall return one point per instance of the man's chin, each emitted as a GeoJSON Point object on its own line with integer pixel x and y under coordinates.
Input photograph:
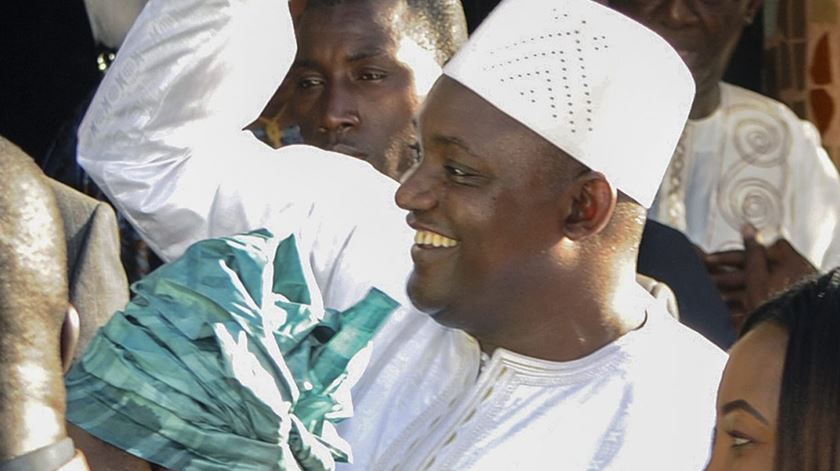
{"type": "Point", "coordinates": [441, 312]}
{"type": "Point", "coordinates": [425, 298]}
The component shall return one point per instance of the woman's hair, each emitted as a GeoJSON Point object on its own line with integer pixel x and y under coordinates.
{"type": "Point", "coordinates": [808, 426]}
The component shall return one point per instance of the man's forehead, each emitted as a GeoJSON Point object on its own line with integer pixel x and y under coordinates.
{"type": "Point", "coordinates": [455, 115]}
{"type": "Point", "coordinates": [355, 27]}
{"type": "Point", "coordinates": [376, 16]}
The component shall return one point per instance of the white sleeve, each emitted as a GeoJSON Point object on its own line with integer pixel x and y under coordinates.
{"type": "Point", "coordinates": [163, 139]}
{"type": "Point", "coordinates": [813, 226]}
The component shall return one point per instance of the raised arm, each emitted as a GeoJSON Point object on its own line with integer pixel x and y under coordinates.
{"type": "Point", "coordinates": [163, 137]}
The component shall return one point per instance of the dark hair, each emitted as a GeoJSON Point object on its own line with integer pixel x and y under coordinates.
{"type": "Point", "coordinates": [808, 427]}
{"type": "Point", "coordinates": [438, 26]}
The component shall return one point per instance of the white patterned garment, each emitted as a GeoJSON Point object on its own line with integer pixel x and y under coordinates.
{"type": "Point", "coordinates": [642, 402]}
{"type": "Point", "coordinates": [753, 160]}
{"type": "Point", "coordinates": [163, 138]}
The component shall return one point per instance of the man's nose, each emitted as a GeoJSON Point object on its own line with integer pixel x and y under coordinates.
{"type": "Point", "coordinates": [340, 113]}
{"type": "Point", "coordinates": [679, 14]}
{"type": "Point", "coordinates": [417, 190]}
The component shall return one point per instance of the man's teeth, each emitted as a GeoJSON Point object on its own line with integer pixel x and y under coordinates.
{"type": "Point", "coordinates": [434, 239]}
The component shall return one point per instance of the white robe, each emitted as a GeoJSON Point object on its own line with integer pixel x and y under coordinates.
{"type": "Point", "coordinates": [753, 161]}
{"type": "Point", "coordinates": [163, 139]}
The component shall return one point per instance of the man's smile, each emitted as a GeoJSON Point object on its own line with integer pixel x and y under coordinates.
{"type": "Point", "coordinates": [428, 240]}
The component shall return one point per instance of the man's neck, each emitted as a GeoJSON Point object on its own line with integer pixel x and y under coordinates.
{"type": "Point", "coordinates": [706, 101]}
{"type": "Point", "coordinates": [572, 323]}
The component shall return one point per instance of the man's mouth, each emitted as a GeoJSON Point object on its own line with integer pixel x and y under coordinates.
{"type": "Point", "coordinates": [347, 150]}
{"type": "Point", "coordinates": [429, 239]}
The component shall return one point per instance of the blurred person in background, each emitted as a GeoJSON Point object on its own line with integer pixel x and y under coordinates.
{"type": "Point", "coordinates": [746, 170]}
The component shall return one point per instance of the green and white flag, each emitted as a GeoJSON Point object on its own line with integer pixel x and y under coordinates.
{"type": "Point", "coordinates": [226, 359]}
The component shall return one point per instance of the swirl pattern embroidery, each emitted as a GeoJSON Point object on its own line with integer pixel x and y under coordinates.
{"type": "Point", "coordinates": [754, 174]}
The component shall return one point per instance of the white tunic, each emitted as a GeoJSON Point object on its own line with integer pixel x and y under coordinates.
{"type": "Point", "coordinates": [644, 401]}
{"type": "Point", "coordinates": [752, 160]}
{"type": "Point", "coordinates": [163, 139]}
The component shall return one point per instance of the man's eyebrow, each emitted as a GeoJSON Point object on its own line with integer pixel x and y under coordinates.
{"type": "Point", "coordinates": [741, 404]}
{"type": "Point", "coordinates": [454, 141]}
{"type": "Point", "coordinates": [304, 63]}
{"type": "Point", "coordinates": [366, 53]}
{"type": "Point", "coordinates": [362, 54]}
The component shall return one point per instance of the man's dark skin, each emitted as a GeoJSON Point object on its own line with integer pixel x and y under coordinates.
{"type": "Point", "coordinates": [354, 85]}
{"type": "Point", "coordinates": [531, 225]}
{"type": "Point", "coordinates": [705, 34]}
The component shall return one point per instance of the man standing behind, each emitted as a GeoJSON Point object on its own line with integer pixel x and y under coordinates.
{"type": "Point", "coordinates": [362, 70]}
{"type": "Point", "coordinates": [749, 183]}
{"type": "Point", "coordinates": [525, 213]}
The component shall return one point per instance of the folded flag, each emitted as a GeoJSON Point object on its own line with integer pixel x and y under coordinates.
{"type": "Point", "coordinates": [227, 359]}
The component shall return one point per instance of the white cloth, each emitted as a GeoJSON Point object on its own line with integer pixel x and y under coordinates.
{"type": "Point", "coordinates": [110, 20]}
{"type": "Point", "coordinates": [645, 401]}
{"type": "Point", "coordinates": [605, 89]}
{"type": "Point", "coordinates": [753, 160]}
{"type": "Point", "coordinates": [163, 139]}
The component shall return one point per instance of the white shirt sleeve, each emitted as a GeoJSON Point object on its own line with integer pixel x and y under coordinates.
{"type": "Point", "coordinates": [814, 215]}
{"type": "Point", "coordinates": [163, 139]}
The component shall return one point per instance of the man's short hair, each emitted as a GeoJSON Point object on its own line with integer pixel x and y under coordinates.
{"type": "Point", "coordinates": [438, 26]}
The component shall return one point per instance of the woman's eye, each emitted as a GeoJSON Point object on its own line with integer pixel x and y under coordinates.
{"type": "Point", "coordinates": [738, 441]}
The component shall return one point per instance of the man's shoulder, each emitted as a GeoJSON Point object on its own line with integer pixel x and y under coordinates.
{"type": "Point", "coordinates": [672, 342]}
{"type": "Point", "coordinates": [77, 208]}
{"type": "Point", "coordinates": [739, 97]}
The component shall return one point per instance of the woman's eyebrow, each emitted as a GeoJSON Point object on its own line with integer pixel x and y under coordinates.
{"type": "Point", "coordinates": [740, 404]}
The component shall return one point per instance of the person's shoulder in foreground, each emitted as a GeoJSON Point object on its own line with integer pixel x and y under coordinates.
{"type": "Point", "coordinates": [38, 327]}
{"type": "Point", "coordinates": [97, 280]}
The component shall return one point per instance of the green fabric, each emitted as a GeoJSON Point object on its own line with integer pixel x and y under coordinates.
{"type": "Point", "coordinates": [225, 360]}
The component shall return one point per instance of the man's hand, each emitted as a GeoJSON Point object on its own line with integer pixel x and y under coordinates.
{"type": "Point", "coordinates": [746, 278]}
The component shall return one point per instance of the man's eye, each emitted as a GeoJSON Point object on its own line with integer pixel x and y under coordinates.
{"type": "Point", "coordinates": [739, 441]}
{"type": "Point", "coordinates": [456, 172]}
{"type": "Point", "coordinates": [416, 153]}
{"type": "Point", "coordinates": [309, 82]}
{"type": "Point", "coordinates": [371, 76]}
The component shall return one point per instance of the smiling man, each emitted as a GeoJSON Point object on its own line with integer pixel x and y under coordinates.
{"type": "Point", "coordinates": [362, 70]}
{"type": "Point", "coordinates": [535, 344]}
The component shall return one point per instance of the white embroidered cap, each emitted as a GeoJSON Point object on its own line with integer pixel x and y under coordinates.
{"type": "Point", "coordinates": [598, 85]}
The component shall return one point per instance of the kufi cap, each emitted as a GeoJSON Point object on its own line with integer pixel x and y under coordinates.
{"type": "Point", "coordinates": [598, 85]}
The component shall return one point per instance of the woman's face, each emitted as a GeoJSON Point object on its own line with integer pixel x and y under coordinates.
{"type": "Point", "coordinates": [748, 402]}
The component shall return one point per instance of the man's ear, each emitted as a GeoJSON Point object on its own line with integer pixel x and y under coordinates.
{"type": "Point", "coordinates": [69, 337]}
{"type": "Point", "coordinates": [593, 203]}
